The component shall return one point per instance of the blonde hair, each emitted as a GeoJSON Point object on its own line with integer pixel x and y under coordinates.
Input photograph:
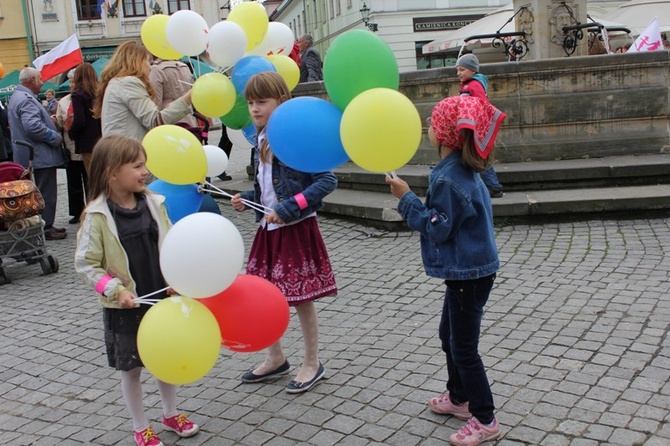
{"type": "Point", "coordinates": [470, 157]}
{"type": "Point", "coordinates": [266, 85]}
{"type": "Point", "coordinates": [129, 59]}
{"type": "Point", "coordinates": [109, 154]}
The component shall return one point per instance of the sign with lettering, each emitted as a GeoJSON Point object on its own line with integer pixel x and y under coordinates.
{"type": "Point", "coordinates": [444, 23]}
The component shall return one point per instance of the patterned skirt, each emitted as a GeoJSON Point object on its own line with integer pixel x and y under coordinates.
{"type": "Point", "coordinates": [294, 258]}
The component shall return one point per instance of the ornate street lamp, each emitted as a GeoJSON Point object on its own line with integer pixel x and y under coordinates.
{"type": "Point", "coordinates": [365, 13]}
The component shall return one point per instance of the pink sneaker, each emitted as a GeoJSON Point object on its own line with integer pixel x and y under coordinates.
{"type": "Point", "coordinates": [473, 433]}
{"type": "Point", "coordinates": [443, 405]}
{"type": "Point", "coordinates": [181, 425]}
{"type": "Point", "coordinates": [147, 438]}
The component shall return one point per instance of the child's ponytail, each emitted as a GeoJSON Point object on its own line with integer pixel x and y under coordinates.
{"type": "Point", "coordinates": [470, 156]}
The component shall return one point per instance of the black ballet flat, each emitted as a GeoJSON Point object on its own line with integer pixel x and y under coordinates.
{"type": "Point", "coordinates": [251, 377]}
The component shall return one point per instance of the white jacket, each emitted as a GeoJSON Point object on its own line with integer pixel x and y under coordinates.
{"type": "Point", "coordinates": [128, 110]}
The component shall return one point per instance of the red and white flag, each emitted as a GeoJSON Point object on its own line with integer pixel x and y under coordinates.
{"type": "Point", "coordinates": [60, 59]}
{"type": "Point", "coordinates": [649, 40]}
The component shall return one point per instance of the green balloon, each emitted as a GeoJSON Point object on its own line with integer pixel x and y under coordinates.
{"type": "Point", "coordinates": [357, 61]}
{"type": "Point", "coordinates": [239, 117]}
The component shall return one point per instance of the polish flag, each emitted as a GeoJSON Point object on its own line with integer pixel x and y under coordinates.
{"type": "Point", "coordinates": [60, 59]}
{"type": "Point", "coordinates": [649, 40]}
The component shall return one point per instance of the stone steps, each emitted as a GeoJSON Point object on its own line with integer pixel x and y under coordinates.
{"type": "Point", "coordinates": [549, 189]}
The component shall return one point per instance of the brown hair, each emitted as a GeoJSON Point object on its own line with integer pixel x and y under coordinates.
{"type": "Point", "coordinates": [470, 156]}
{"type": "Point", "coordinates": [266, 85]}
{"type": "Point", "coordinates": [85, 79]}
{"type": "Point", "coordinates": [109, 154]}
{"type": "Point", "coordinates": [129, 59]}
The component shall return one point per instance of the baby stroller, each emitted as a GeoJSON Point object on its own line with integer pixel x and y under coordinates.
{"type": "Point", "coordinates": [21, 227]}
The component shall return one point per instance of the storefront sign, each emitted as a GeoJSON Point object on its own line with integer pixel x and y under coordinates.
{"type": "Point", "coordinates": [444, 23]}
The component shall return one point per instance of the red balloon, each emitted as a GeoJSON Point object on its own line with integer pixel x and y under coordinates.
{"type": "Point", "coordinates": [252, 313]}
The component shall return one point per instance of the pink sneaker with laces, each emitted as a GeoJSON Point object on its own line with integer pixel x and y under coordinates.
{"type": "Point", "coordinates": [147, 438]}
{"type": "Point", "coordinates": [181, 425]}
{"type": "Point", "coordinates": [443, 405]}
{"type": "Point", "coordinates": [473, 433]}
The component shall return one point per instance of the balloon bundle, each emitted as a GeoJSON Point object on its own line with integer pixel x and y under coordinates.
{"type": "Point", "coordinates": [368, 121]}
{"type": "Point", "coordinates": [180, 337]}
{"type": "Point", "coordinates": [246, 43]}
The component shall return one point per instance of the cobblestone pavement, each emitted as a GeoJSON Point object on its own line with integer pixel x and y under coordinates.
{"type": "Point", "coordinates": [575, 340]}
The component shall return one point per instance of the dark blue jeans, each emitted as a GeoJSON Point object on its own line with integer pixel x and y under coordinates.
{"type": "Point", "coordinates": [490, 178]}
{"type": "Point", "coordinates": [460, 327]}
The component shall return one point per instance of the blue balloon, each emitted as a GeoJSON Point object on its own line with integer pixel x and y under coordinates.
{"type": "Point", "coordinates": [180, 199]}
{"type": "Point", "coordinates": [250, 133]}
{"type": "Point", "coordinates": [247, 67]}
{"type": "Point", "coordinates": [304, 133]}
{"type": "Point", "coordinates": [209, 205]}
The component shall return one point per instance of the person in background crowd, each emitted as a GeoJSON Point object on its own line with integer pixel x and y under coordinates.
{"type": "Point", "coordinates": [77, 181]}
{"type": "Point", "coordinates": [475, 84]}
{"type": "Point", "coordinates": [29, 121]}
{"type": "Point", "coordinates": [51, 103]}
{"type": "Point", "coordinates": [85, 129]}
{"type": "Point", "coordinates": [310, 60]}
{"type": "Point", "coordinates": [5, 135]}
{"type": "Point", "coordinates": [124, 101]}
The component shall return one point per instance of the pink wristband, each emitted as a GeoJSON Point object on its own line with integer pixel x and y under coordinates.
{"type": "Point", "coordinates": [301, 200]}
{"type": "Point", "coordinates": [102, 283]}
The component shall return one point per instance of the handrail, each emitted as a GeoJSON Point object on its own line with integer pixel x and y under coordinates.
{"type": "Point", "coordinates": [515, 49]}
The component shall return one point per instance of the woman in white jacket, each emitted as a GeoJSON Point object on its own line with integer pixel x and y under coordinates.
{"type": "Point", "coordinates": [125, 98]}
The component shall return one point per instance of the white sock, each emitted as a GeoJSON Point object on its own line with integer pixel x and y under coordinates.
{"type": "Point", "coordinates": [168, 394]}
{"type": "Point", "coordinates": [131, 387]}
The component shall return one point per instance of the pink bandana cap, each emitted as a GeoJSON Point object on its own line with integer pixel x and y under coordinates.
{"type": "Point", "coordinates": [456, 113]}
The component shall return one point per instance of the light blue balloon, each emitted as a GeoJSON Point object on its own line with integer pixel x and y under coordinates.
{"type": "Point", "coordinates": [304, 133]}
{"type": "Point", "coordinates": [247, 67]}
{"type": "Point", "coordinates": [180, 199]}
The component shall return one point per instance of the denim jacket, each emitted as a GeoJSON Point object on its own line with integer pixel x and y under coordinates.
{"type": "Point", "coordinates": [289, 182]}
{"type": "Point", "coordinates": [455, 223]}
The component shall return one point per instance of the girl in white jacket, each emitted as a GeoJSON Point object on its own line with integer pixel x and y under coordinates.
{"type": "Point", "coordinates": [118, 254]}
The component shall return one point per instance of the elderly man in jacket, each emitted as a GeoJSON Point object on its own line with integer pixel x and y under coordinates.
{"type": "Point", "coordinates": [29, 121]}
{"type": "Point", "coordinates": [310, 60]}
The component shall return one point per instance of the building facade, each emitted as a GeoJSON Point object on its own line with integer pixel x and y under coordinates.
{"type": "Point", "coordinates": [30, 28]}
{"type": "Point", "coordinates": [405, 25]}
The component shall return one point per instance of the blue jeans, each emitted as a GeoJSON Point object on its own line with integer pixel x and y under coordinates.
{"type": "Point", "coordinates": [490, 178]}
{"type": "Point", "coordinates": [460, 327]}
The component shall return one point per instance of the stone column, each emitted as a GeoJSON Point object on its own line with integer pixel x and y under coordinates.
{"type": "Point", "coordinates": [543, 22]}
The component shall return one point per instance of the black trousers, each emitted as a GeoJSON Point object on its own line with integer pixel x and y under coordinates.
{"type": "Point", "coordinates": [77, 187]}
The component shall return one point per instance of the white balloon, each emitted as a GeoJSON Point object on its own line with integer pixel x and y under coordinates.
{"type": "Point", "coordinates": [278, 40]}
{"type": "Point", "coordinates": [186, 31]}
{"type": "Point", "coordinates": [201, 255]}
{"type": "Point", "coordinates": [227, 43]}
{"type": "Point", "coordinates": [238, 139]}
{"type": "Point", "coordinates": [217, 160]}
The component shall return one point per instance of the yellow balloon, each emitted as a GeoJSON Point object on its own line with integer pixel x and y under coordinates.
{"type": "Point", "coordinates": [213, 95]}
{"type": "Point", "coordinates": [253, 19]}
{"type": "Point", "coordinates": [287, 68]}
{"type": "Point", "coordinates": [153, 37]}
{"type": "Point", "coordinates": [380, 130]}
{"type": "Point", "coordinates": [175, 155]}
{"type": "Point", "coordinates": [179, 340]}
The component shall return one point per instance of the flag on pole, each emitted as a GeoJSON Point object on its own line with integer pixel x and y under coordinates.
{"type": "Point", "coordinates": [60, 59]}
{"type": "Point", "coordinates": [113, 3]}
{"type": "Point", "coordinates": [649, 40]}
{"type": "Point", "coordinates": [100, 3]}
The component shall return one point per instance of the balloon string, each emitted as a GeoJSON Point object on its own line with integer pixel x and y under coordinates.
{"type": "Point", "coordinates": [155, 292]}
{"type": "Point", "coordinates": [197, 58]}
{"type": "Point", "coordinates": [184, 82]}
{"type": "Point", "coordinates": [392, 174]}
{"type": "Point", "coordinates": [258, 207]}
